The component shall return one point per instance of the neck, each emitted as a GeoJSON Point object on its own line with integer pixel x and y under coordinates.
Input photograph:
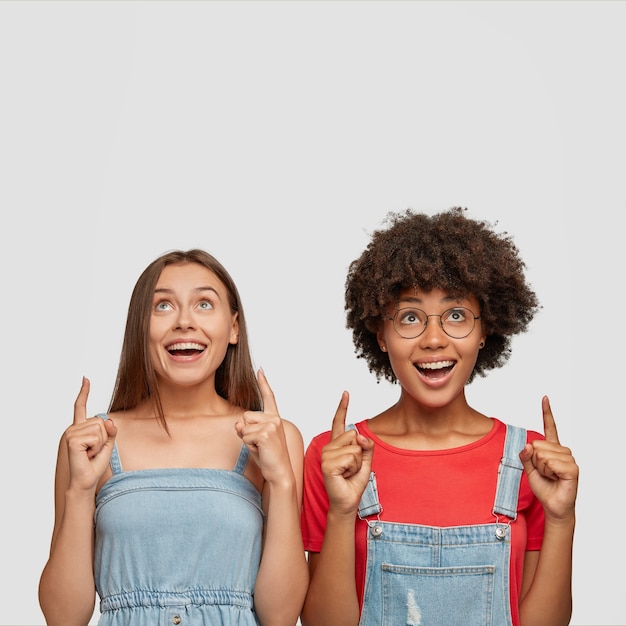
{"type": "Point", "coordinates": [413, 416]}
{"type": "Point", "coordinates": [179, 401]}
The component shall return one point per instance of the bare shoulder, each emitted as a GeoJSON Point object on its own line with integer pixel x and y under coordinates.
{"type": "Point", "coordinates": [295, 445]}
{"type": "Point", "coordinates": [292, 432]}
{"type": "Point", "coordinates": [121, 416]}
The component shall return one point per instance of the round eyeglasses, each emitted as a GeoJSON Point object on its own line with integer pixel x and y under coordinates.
{"type": "Point", "coordinates": [457, 323]}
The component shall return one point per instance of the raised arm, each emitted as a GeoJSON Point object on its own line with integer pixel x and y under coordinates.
{"type": "Point", "coordinates": [553, 476]}
{"type": "Point", "coordinates": [346, 464]}
{"type": "Point", "coordinates": [278, 449]}
{"type": "Point", "coordinates": [67, 589]}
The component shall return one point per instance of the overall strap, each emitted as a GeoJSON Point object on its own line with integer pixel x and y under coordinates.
{"type": "Point", "coordinates": [369, 504]}
{"type": "Point", "coordinates": [510, 472]}
{"type": "Point", "coordinates": [116, 465]}
{"type": "Point", "coordinates": [242, 460]}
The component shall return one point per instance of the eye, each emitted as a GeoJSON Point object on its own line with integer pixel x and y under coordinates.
{"type": "Point", "coordinates": [410, 317]}
{"type": "Point", "coordinates": [163, 305]}
{"type": "Point", "coordinates": [205, 305]}
{"type": "Point", "coordinates": [455, 316]}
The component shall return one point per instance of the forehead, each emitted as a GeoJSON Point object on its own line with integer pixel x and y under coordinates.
{"type": "Point", "coordinates": [435, 297]}
{"type": "Point", "coordinates": [189, 276]}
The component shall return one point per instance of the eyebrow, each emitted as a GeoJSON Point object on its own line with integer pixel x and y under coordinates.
{"type": "Point", "coordinates": [417, 300]}
{"type": "Point", "coordinates": [195, 290]}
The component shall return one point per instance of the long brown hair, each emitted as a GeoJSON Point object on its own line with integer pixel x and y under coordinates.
{"type": "Point", "coordinates": [136, 379]}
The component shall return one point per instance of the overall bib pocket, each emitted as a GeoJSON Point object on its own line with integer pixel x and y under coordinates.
{"type": "Point", "coordinates": [434, 596]}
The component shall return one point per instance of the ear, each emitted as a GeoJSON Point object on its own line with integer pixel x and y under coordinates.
{"type": "Point", "coordinates": [483, 340]}
{"type": "Point", "coordinates": [381, 341]}
{"type": "Point", "coordinates": [234, 331]}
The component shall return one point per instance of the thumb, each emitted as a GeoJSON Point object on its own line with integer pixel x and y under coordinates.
{"type": "Point", "coordinates": [111, 428]}
{"type": "Point", "coordinates": [103, 456]}
{"type": "Point", "coordinates": [526, 457]}
{"type": "Point", "coordinates": [367, 445]}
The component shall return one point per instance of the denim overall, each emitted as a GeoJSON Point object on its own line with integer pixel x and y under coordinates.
{"type": "Point", "coordinates": [177, 546]}
{"type": "Point", "coordinates": [432, 576]}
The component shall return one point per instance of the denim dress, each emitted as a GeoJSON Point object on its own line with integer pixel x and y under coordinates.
{"type": "Point", "coordinates": [177, 546]}
{"type": "Point", "coordinates": [442, 576]}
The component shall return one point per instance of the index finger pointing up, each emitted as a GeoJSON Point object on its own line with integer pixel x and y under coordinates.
{"type": "Point", "coordinates": [269, 401]}
{"type": "Point", "coordinates": [339, 421]}
{"type": "Point", "coordinates": [549, 425]}
{"type": "Point", "coordinates": [80, 404]}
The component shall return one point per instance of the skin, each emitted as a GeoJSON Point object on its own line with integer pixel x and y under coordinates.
{"type": "Point", "coordinates": [206, 431]}
{"type": "Point", "coordinates": [434, 414]}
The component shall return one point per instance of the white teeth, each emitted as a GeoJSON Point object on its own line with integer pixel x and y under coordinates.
{"type": "Point", "coordinates": [186, 346]}
{"type": "Point", "coordinates": [436, 366]}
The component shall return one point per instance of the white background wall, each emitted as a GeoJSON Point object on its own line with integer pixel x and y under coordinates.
{"type": "Point", "coordinates": [276, 135]}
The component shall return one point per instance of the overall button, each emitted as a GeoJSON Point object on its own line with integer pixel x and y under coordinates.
{"type": "Point", "coordinates": [176, 619]}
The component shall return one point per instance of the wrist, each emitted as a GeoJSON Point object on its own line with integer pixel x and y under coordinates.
{"type": "Point", "coordinates": [283, 484]}
{"type": "Point", "coordinates": [80, 494]}
{"type": "Point", "coordinates": [341, 515]}
{"type": "Point", "coordinates": [564, 522]}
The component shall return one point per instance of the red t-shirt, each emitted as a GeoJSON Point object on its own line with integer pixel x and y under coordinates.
{"type": "Point", "coordinates": [453, 487]}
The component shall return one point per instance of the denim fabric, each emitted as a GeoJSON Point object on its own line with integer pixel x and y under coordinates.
{"type": "Point", "coordinates": [177, 547]}
{"type": "Point", "coordinates": [454, 576]}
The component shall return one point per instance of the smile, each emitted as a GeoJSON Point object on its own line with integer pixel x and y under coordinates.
{"type": "Point", "coordinates": [186, 348]}
{"type": "Point", "coordinates": [436, 369]}
{"type": "Point", "coordinates": [438, 365]}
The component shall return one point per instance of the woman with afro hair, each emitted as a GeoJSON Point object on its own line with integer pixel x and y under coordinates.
{"type": "Point", "coordinates": [432, 513]}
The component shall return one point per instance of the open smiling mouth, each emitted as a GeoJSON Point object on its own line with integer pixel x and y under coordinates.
{"type": "Point", "coordinates": [438, 369]}
{"type": "Point", "coordinates": [186, 348]}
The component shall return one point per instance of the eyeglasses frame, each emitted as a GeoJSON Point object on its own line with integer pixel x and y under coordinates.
{"type": "Point", "coordinates": [440, 316]}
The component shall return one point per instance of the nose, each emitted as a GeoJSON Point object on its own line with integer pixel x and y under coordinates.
{"type": "Point", "coordinates": [433, 335]}
{"type": "Point", "coordinates": [184, 319]}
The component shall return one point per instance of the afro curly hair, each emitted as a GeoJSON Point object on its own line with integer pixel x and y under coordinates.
{"type": "Point", "coordinates": [448, 251]}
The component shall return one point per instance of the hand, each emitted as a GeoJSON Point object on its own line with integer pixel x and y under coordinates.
{"type": "Point", "coordinates": [263, 434]}
{"type": "Point", "coordinates": [346, 463]}
{"type": "Point", "coordinates": [551, 469]}
{"type": "Point", "coordinates": [89, 443]}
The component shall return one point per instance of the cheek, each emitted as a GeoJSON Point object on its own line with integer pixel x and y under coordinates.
{"type": "Point", "coordinates": [154, 354]}
{"type": "Point", "coordinates": [470, 356]}
{"type": "Point", "coordinates": [155, 340]}
{"type": "Point", "coordinates": [154, 343]}
{"type": "Point", "coordinates": [398, 352]}
{"type": "Point", "coordinates": [157, 326]}
{"type": "Point", "coordinates": [219, 330]}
